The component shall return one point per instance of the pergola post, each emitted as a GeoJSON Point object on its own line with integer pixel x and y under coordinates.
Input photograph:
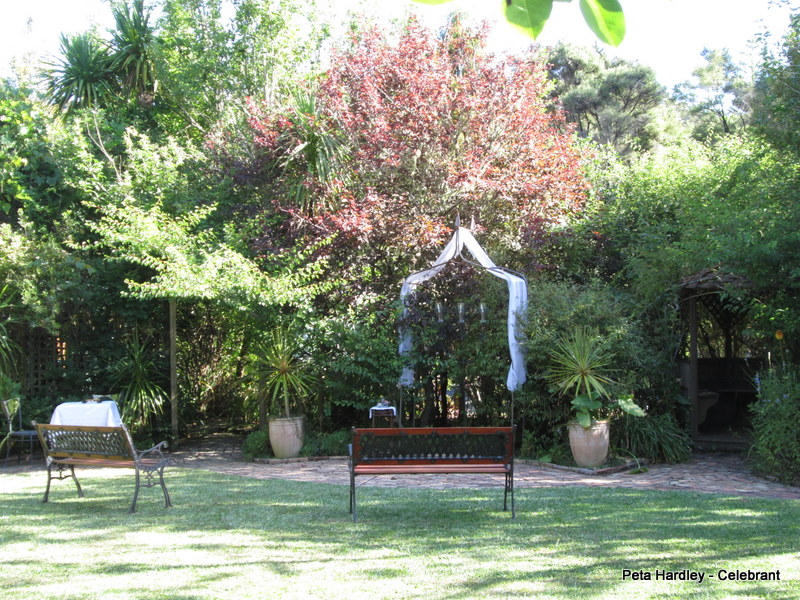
{"type": "Point", "coordinates": [173, 370]}
{"type": "Point", "coordinates": [693, 362]}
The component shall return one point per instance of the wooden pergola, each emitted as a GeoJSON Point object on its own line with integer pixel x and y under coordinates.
{"type": "Point", "coordinates": [712, 288]}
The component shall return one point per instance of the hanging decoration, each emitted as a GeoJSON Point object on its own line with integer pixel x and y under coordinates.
{"type": "Point", "coordinates": [517, 301]}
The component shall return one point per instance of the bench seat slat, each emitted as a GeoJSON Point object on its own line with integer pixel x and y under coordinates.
{"type": "Point", "coordinates": [431, 469]}
{"type": "Point", "coordinates": [107, 462]}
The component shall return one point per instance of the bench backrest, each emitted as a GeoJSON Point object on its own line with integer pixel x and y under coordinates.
{"type": "Point", "coordinates": [78, 441]}
{"type": "Point", "coordinates": [425, 445]}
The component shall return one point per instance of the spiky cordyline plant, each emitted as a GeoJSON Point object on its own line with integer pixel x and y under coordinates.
{"type": "Point", "coordinates": [581, 365]}
{"type": "Point", "coordinates": [83, 76]}
{"type": "Point", "coordinates": [279, 372]}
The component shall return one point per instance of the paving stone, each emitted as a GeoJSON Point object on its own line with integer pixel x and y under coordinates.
{"type": "Point", "coordinates": [721, 473]}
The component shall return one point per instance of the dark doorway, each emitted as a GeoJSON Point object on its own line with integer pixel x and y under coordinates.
{"type": "Point", "coordinates": [716, 365]}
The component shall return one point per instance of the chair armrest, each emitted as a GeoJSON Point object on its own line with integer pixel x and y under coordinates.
{"type": "Point", "coordinates": [156, 450]}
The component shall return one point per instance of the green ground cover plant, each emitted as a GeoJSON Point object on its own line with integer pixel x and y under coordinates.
{"type": "Point", "coordinates": [234, 537]}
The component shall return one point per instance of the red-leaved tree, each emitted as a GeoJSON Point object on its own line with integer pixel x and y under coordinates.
{"type": "Point", "coordinates": [406, 130]}
{"type": "Point", "coordinates": [426, 127]}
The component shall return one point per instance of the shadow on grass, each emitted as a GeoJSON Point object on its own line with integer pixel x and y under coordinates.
{"type": "Point", "coordinates": [223, 530]}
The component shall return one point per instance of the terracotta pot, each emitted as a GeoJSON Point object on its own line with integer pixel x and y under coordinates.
{"type": "Point", "coordinates": [286, 436]}
{"type": "Point", "coordinates": [589, 445]}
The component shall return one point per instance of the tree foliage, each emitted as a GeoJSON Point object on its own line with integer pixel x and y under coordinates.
{"type": "Point", "coordinates": [611, 101]}
{"type": "Point", "coordinates": [437, 127]}
{"type": "Point", "coordinates": [424, 127]}
{"type": "Point", "coordinates": [730, 207]}
{"type": "Point", "coordinates": [204, 156]}
{"type": "Point", "coordinates": [719, 98]}
{"type": "Point", "coordinates": [207, 63]}
{"type": "Point", "coordinates": [777, 93]}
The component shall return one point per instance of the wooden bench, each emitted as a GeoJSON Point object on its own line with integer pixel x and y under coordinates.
{"type": "Point", "coordinates": [70, 446]}
{"type": "Point", "coordinates": [434, 451]}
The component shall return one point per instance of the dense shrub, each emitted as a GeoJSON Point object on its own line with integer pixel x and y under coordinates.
{"type": "Point", "coordinates": [256, 445]}
{"type": "Point", "coordinates": [334, 444]}
{"type": "Point", "coordinates": [776, 426]}
{"type": "Point", "coordinates": [641, 363]}
{"type": "Point", "coordinates": [558, 452]}
{"type": "Point", "coordinates": [658, 438]}
{"type": "Point", "coordinates": [326, 444]}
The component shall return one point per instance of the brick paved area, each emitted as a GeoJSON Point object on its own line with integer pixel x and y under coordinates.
{"type": "Point", "coordinates": [723, 473]}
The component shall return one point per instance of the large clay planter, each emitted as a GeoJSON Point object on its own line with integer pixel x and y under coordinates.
{"type": "Point", "coordinates": [589, 445]}
{"type": "Point", "coordinates": [286, 436]}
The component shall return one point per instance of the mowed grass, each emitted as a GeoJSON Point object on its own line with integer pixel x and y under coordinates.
{"type": "Point", "coordinates": [239, 538]}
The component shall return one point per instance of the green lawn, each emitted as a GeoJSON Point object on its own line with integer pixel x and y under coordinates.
{"type": "Point", "coordinates": [236, 538]}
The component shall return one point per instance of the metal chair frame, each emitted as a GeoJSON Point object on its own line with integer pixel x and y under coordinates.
{"type": "Point", "coordinates": [20, 435]}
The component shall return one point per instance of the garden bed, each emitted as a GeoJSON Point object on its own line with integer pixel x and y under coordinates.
{"type": "Point", "coordinates": [614, 466]}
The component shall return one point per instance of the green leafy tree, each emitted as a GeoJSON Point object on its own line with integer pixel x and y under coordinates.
{"type": "Point", "coordinates": [719, 98]}
{"type": "Point", "coordinates": [730, 207]}
{"type": "Point", "coordinates": [611, 101]}
{"type": "Point", "coordinates": [28, 176]}
{"type": "Point", "coordinates": [777, 92]}
{"type": "Point", "coordinates": [207, 65]}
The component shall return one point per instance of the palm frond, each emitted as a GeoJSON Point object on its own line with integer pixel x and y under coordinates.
{"type": "Point", "coordinates": [83, 76]}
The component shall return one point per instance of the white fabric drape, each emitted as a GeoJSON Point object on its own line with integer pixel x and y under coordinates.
{"type": "Point", "coordinates": [517, 302]}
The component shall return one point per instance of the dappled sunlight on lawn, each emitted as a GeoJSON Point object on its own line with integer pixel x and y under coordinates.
{"type": "Point", "coordinates": [230, 536]}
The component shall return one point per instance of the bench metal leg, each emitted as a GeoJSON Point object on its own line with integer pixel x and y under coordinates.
{"type": "Point", "coordinates": [49, 479]}
{"type": "Point", "coordinates": [149, 482]}
{"type": "Point", "coordinates": [135, 493]}
{"type": "Point", "coordinates": [509, 488]}
{"type": "Point", "coordinates": [353, 495]}
{"type": "Point", "coordinates": [60, 476]}
{"type": "Point", "coordinates": [167, 499]}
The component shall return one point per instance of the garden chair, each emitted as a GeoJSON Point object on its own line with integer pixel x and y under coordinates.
{"type": "Point", "coordinates": [10, 435]}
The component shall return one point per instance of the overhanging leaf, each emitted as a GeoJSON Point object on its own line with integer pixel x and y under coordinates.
{"type": "Point", "coordinates": [606, 19]}
{"type": "Point", "coordinates": [584, 419]}
{"type": "Point", "coordinates": [587, 402]}
{"type": "Point", "coordinates": [629, 406]}
{"type": "Point", "coordinates": [528, 16]}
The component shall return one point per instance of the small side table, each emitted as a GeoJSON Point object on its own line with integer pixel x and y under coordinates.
{"type": "Point", "coordinates": [387, 412]}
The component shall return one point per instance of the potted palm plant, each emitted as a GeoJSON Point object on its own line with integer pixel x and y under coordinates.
{"type": "Point", "coordinates": [582, 367]}
{"type": "Point", "coordinates": [283, 380]}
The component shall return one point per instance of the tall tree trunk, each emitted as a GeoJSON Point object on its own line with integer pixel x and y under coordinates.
{"type": "Point", "coordinates": [429, 392]}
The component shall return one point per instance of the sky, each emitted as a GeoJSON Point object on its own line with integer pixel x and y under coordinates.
{"type": "Point", "coordinates": [667, 35]}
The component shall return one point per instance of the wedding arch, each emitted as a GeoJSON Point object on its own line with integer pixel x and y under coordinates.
{"type": "Point", "coordinates": [517, 301]}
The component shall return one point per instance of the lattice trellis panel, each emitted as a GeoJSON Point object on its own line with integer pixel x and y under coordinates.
{"type": "Point", "coordinates": [39, 368]}
{"type": "Point", "coordinates": [434, 446]}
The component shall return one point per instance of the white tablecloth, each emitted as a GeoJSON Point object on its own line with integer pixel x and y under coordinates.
{"type": "Point", "coordinates": [380, 407]}
{"type": "Point", "coordinates": [99, 414]}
